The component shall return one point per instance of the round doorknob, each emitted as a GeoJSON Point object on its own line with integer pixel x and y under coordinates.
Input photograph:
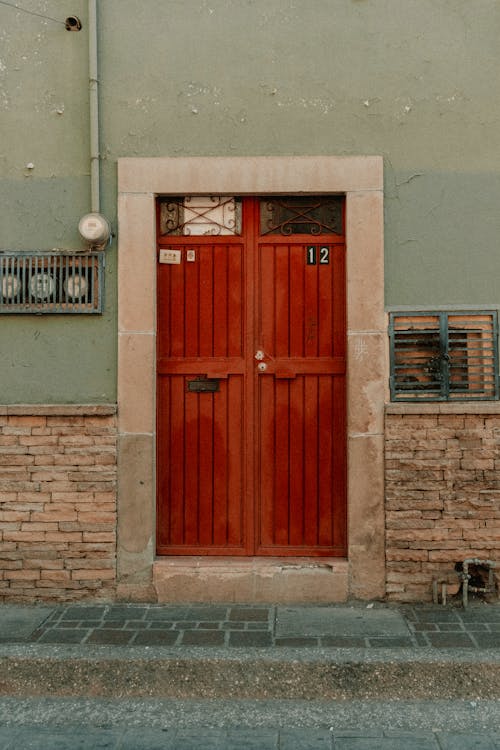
{"type": "Point", "coordinates": [262, 367]}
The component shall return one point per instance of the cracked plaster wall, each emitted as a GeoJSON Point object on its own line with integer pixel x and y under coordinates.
{"type": "Point", "coordinates": [413, 80]}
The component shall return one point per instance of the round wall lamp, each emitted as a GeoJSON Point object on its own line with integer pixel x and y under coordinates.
{"type": "Point", "coordinates": [95, 229]}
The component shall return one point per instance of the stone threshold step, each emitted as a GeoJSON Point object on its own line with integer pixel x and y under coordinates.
{"type": "Point", "coordinates": [290, 580]}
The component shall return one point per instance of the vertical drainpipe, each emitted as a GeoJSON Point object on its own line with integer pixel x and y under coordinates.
{"type": "Point", "coordinates": [94, 110]}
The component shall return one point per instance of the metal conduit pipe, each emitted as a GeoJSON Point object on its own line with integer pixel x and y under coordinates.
{"type": "Point", "coordinates": [95, 198]}
{"type": "Point", "coordinates": [93, 227]}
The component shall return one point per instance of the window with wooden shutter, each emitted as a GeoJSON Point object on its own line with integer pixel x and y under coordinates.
{"type": "Point", "coordinates": [444, 356]}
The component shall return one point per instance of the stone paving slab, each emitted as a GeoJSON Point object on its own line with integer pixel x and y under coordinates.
{"type": "Point", "coordinates": [340, 621]}
{"type": "Point", "coordinates": [17, 623]}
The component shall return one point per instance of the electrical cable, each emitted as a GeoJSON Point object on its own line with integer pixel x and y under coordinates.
{"type": "Point", "coordinates": [31, 13]}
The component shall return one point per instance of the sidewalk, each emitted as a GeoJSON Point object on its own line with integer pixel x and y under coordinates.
{"type": "Point", "coordinates": [360, 625]}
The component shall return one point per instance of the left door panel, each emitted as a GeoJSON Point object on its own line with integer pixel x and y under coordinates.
{"type": "Point", "coordinates": [201, 398]}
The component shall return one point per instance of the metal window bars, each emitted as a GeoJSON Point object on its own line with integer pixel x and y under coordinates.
{"type": "Point", "coordinates": [197, 215]}
{"type": "Point", "coordinates": [51, 282]}
{"type": "Point", "coordinates": [444, 356]}
{"type": "Point", "coordinates": [306, 214]}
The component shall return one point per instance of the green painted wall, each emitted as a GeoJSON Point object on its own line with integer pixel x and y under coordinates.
{"type": "Point", "coordinates": [413, 80]}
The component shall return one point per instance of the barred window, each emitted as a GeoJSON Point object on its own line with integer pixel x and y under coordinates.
{"type": "Point", "coordinates": [51, 282]}
{"type": "Point", "coordinates": [444, 356]}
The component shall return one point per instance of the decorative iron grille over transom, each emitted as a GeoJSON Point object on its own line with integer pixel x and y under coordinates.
{"type": "Point", "coordinates": [311, 214]}
{"type": "Point", "coordinates": [200, 215]}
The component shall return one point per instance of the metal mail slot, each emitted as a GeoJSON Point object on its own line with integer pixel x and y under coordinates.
{"type": "Point", "coordinates": [203, 385]}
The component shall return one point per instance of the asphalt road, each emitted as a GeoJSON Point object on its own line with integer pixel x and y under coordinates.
{"type": "Point", "coordinates": [90, 724]}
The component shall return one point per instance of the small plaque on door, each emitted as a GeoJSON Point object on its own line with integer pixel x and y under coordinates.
{"type": "Point", "coordinates": [172, 257]}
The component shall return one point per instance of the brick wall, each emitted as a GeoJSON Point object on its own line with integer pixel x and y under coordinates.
{"type": "Point", "coordinates": [58, 499]}
{"type": "Point", "coordinates": [442, 496]}
{"type": "Point", "coordinates": [57, 503]}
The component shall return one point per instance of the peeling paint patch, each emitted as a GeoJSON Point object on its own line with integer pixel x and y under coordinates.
{"type": "Point", "coordinates": [144, 102]}
{"type": "Point", "coordinates": [325, 106]}
{"type": "Point", "coordinates": [194, 93]}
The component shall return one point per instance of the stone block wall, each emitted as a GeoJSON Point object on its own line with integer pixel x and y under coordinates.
{"type": "Point", "coordinates": [57, 503]}
{"type": "Point", "coordinates": [442, 493]}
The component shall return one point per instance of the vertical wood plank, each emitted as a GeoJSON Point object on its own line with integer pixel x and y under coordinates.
{"type": "Point", "coordinates": [339, 302]}
{"type": "Point", "coordinates": [311, 321]}
{"type": "Point", "coordinates": [164, 338]}
{"type": "Point", "coordinates": [267, 460]}
{"type": "Point", "coordinates": [339, 430]}
{"type": "Point", "coordinates": [223, 482]}
{"type": "Point", "coordinates": [209, 426]}
{"type": "Point", "coordinates": [282, 462]}
{"type": "Point", "coordinates": [266, 300]}
{"type": "Point", "coordinates": [205, 265]}
{"type": "Point", "coordinates": [221, 322]}
{"type": "Point", "coordinates": [176, 332]}
{"type": "Point", "coordinates": [235, 301]}
{"type": "Point", "coordinates": [311, 484]}
{"type": "Point", "coordinates": [297, 317]}
{"type": "Point", "coordinates": [191, 468]}
{"type": "Point", "coordinates": [282, 301]}
{"type": "Point", "coordinates": [325, 308]}
{"type": "Point", "coordinates": [297, 486]}
{"type": "Point", "coordinates": [164, 476]}
{"type": "Point", "coordinates": [191, 309]}
{"type": "Point", "coordinates": [325, 452]}
{"type": "Point", "coordinates": [175, 452]}
{"type": "Point", "coordinates": [235, 473]}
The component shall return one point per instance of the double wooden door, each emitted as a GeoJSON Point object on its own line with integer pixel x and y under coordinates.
{"type": "Point", "coordinates": [251, 433]}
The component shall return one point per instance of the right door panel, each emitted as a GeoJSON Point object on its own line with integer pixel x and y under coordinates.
{"type": "Point", "coordinates": [301, 345]}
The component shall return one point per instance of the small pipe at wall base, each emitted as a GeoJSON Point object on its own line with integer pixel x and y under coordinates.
{"type": "Point", "coordinates": [95, 199]}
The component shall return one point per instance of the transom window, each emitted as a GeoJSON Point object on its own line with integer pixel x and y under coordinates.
{"type": "Point", "coordinates": [199, 215]}
{"type": "Point", "coordinates": [279, 215]}
{"type": "Point", "coordinates": [305, 214]}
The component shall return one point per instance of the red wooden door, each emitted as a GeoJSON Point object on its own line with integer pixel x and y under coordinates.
{"type": "Point", "coordinates": [251, 390]}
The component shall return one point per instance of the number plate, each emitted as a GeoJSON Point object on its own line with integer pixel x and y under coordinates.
{"type": "Point", "coordinates": [315, 254]}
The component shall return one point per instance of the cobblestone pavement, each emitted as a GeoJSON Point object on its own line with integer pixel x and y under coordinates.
{"type": "Point", "coordinates": [255, 626]}
{"type": "Point", "coordinates": [91, 738]}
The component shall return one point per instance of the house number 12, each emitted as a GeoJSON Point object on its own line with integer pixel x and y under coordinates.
{"type": "Point", "coordinates": [312, 255]}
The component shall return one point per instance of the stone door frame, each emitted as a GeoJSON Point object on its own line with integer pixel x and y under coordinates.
{"type": "Point", "coordinates": [140, 181]}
